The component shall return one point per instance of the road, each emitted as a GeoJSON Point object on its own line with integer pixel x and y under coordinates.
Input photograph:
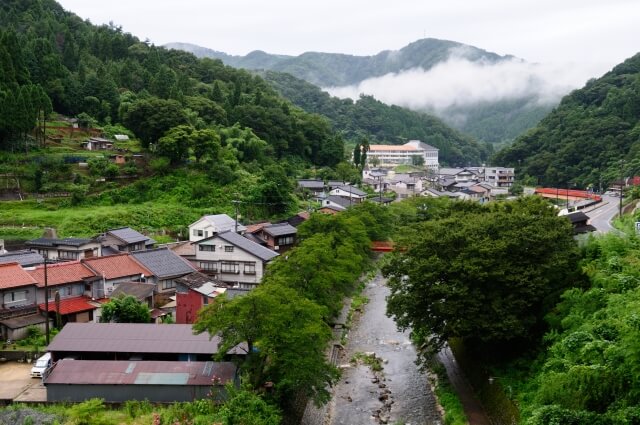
{"type": "Point", "coordinates": [601, 217]}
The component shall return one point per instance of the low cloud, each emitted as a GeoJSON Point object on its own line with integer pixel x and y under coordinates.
{"type": "Point", "coordinates": [459, 82]}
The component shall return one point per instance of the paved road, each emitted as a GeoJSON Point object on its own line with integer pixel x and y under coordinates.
{"type": "Point", "coordinates": [601, 217]}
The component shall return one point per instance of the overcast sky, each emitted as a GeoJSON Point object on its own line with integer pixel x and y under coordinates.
{"type": "Point", "coordinates": [595, 32]}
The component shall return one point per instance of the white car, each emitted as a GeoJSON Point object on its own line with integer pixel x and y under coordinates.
{"type": "Point", "coordinates": [42, 364]}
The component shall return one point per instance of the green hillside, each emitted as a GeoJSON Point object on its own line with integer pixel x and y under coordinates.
{"type": "Point", "coordinates": [583, 140]}
{"type": "Point", "coordinates": [381, 122]}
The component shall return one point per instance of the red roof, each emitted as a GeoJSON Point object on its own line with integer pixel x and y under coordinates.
{"type": "Point", "coordinates": [116, 266]}
{"type": "Point", "coordinates": [13, 276]}
{"type": "Point", "coordinates": [382, 246]}
{"type": "Point", "coordinates": [561, 193]}
{"type": "Point", "coordinates": [61, 273]}
{"type": "Point", "coordinates": [70, 305]}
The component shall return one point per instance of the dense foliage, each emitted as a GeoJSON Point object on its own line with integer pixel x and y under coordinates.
{"type": "Point", "coordinates": [284, 320]}
{"type": "Point", "coordinates": [380, 122]}
{"type": "Point", "coordinates": [582, 141]}
{"type": "Point", "coordinates": [589, 374]}
{"type": "Point", "coordinates": [125, 309]}
{"type": "Point", "coordinates": [483, 273]}
{"type": "Point", "coordinates": [108, 75]}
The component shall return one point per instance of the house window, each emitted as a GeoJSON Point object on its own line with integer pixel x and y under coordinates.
{"type": "Point", "coordinates": [286, 240]}
{"type": "Point", "coordinates": [197, 232]}
{"type": "Point", "coordinates": [228, 248]}
{"type": "Point", "coordinates": [14, 297]}
{"type": "Point", "coordinates": [205, 300]}
{"type": "Point", "coordinates": [250, 268]}
{"type": "Point", "coordinates": [208, 248]}
{"type": "Point", "coordinates": [68, 255]}
{"type": "Point", "coordinates": [208, 266]}
{"type": "Point", "coordinates": [168, 284]}
{"type": "Point", "coordinates": [229, 268]}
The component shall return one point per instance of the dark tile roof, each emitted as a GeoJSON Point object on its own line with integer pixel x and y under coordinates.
{"type": "Point", "coordinates": [197, 279]}
{"type": "Point", "coordinates": [139, 291]}
{"type": "Point", "coordinates": [280, 229]}
{"type": "Point", "coordinates": [128, 235]}
{"type": "Point", "coordinates": [311, 184]}
{"type": "Point", "coordinates": [23, 321]}
{"type": "Point", "coordinates": [136, 338]}
{"type": "Point", "coordinates": [24, 258]}
{"type": "Point", "coordinates": [163, 262]}
{"type": "Point", "coordinates": [245, 244]}
{"type": "Point", "coordinates": [577, 217]}
{"type": "Point", "coordinates": [140, 372]}
{"type": "Point", "coordinates": [254, 238]}
{"type": "Point", "coordinates": [56, 242]}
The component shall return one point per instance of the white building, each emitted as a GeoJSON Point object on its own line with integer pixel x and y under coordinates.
{"type": "Point", "coordinates": [392, 155]}
{"type": "Point", "coordinates": [233, 259]}
{"type": "Point", "coordinates": [209, 225]}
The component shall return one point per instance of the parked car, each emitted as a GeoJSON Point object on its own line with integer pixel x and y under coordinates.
{"type": "Point", "coordinates": [42, 364]}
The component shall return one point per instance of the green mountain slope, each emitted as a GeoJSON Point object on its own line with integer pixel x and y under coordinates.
{"type": "Point", "coordinates": [381, 122]}
{"type": "Point", "coordinates": [335, 69]}
{"type": "Point", "coordinates": [583, 140]}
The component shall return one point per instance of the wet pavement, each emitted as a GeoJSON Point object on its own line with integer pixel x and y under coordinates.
{"type": "Point", "coordinates": [400, 392]}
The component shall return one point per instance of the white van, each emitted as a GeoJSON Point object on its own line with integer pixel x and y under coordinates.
{"type": "Point", "coordinates": [42, 364]}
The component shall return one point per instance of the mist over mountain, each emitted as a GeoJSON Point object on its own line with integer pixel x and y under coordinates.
{"type": "Point", "coordinates": [491, 97]}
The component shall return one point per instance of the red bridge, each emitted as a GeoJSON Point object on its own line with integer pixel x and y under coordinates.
{"type": "Point", "coordinates": [570, 194]}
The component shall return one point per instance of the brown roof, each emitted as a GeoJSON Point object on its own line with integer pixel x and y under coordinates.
{"type": "Point", "coordinates": [184, 248]}
{"type": "Point", "coordinates": [252, 228]}
{"type": "Point", "coordinates": [116, 266]}
{"type": "Point", "coordinates": [127, 372]}
{"type": "Point", "coordinates": [136, 338]}
{"type": "Point", "coordinates": [60, 273]}
{"type": "Point", "coordinates": [197, 279]}
{"type": "Point", "coordinates": [139, 291]}
{"type": "Point", "coordinates": [392, 148]}
{"type": "Point", "coordinates": [13, 276]}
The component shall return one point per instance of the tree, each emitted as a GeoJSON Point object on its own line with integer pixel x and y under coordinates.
{"type": "Point", "coordinates": [151, 118]}
{"type": "Point", "coordinates": [483, 275]}
{"type": "Point", "coordinates": [174, 145]}
{"type": "Point", "coordinates": [357, 154]}
{"type": "Point", "coordinates": [205, 142]}
{"type": "Point", "coordinates": [286, 337]}
{"type": "Point", "coordinates": [125, 309]}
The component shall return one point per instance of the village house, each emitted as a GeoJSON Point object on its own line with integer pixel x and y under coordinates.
{"type": "Point", "coordinates": [337, 203]}
{"type": "Point", "coordinates": [233, 259]}
{"type": "Point", "coordinates": [165, 266]}
{"type": "Point", "coordinates": [209, 225]}
{"type": "Point", "coordinates": [65, 249]}
{"type": "Point", "coordinates": [18, 301]}
{"type": "Point", "coordinates": [97, 143]}
{"type": "Point", "coordinates": [124, 239]}
{"type": "Point", "coordinates": [25, 258]}
{"type": "Point", "coordinates": [197, 290]}
{"type": "Point", "coordinates": [114, 269]}
{"type": "Point", "coordinates": [349, 192]}
{"type": "Point", "coordinates": [278, 237]}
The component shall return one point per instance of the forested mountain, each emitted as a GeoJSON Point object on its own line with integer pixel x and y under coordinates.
{"type": "Point", "coordinates": [380, 122]}
{"type": "Point", "coordinates": [113, 77]}
{"type": "Point", "coordinates": [583, 140]}
{"type": "Point", "coordinates": [335, 69]}
{"type": "Point", "coordinates": [498, 121]}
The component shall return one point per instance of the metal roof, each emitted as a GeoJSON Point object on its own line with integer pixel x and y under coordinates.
{"type": "Point", "coordinates": [351, 190]}
{"type": "Point", "coordinates": [128, 235]}
{"type": "Point", "coordinates": [138, 372]}
{"type": "Point", "coordinates": [345, 203]}
{"type": "Point", "coordinates": [246, 245]}
{"type": "Point", "coordinates": [136, 338]}
{"type": "Point", "coordinates": [163, 262]}
{"type": "Point", "coordinates": [23, 321]}
{"type": "Point", "coordinates": [222, 223]}
{"type": "Point", "coordinates": [24, 258]}
{"type": "Point", "coordinates": [280, 229]}
{"type": "Point", "coordinates": [311, 184]}
{"type": "Point", "coordinates": [139, 291]}
{"type": "Point", "coordinates": [57, 242]}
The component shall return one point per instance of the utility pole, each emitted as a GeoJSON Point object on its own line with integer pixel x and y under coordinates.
{"type": "Point", "coordinates": [621, 186]}
{"type": "Point", "coordinates": [380, 183]}
{"type": "Point", "coordinates": [236, 202]}
{"type": "Point", "coordinates": [46, 300]}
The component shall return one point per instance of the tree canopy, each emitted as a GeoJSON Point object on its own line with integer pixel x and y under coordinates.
{"type": "Point", "coordinates": [486, 274]}
{"type": "Point", "coordinates": [125, 309]}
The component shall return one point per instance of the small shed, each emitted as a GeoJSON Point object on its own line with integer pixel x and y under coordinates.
{"type": "Point", "coordinates": [15, 328]}
{"type": "Point", "coordinates": [119, 381]}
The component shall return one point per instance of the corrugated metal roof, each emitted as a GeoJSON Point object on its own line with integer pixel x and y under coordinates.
{"type": "Point", "coordinates": [24, 258]}
{"type": "Point", "coordinates": [127, 372]}
{"type": "Point", "coordinates": [247, 245]}
{"type": "Point", "coordinates": [13, 276]}
{"type": "Point", "coordinates": [222, 222]}
{"type": "Point", "coordinates": [136, 338]}
{"type": "Point", "coordinates": [352, 190]}
{"type": "Point", "coordinates": [23, 321]}
{"type": "Point", "coordinates": [163, 262]}
{"type": "Point", "coordinates": [139, 291]}
{"type": "Point", "coordinates": [61, 273]}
